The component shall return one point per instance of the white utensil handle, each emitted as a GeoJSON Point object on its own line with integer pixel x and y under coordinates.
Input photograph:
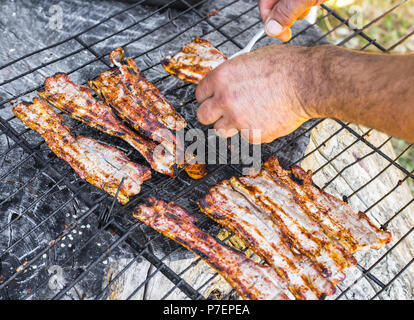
{"type": "Point", "coordinates": [251, 43]}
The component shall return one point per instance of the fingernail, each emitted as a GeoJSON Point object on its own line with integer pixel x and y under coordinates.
{"type": "Point", "coordinates": [273, 28]}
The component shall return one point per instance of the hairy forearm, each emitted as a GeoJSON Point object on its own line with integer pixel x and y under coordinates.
{"type": "Point", "coordinates": [279, 87]}
{"type": "Point", "coordinates": [375, 90]}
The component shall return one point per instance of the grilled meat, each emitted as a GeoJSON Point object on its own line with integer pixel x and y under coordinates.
{"type": "Point", "coordinates": [194, 61]}
{"type": "Point", "coordinates": [304, 234]}
{"type": "Point", "coordinates": [139, 102]}
{"type": "Point", "coordinates": [232, 210]}
{"type": "Point", "coordinates": [250, 279]}
{"type": "Point", "coordinates": [307, 235]}
{"type": "Point", "coordinates": [117, 56]}
{"type": "Point", "coordinates": [134, 97]}
{"type": "Point", "coordinates": [352, 229]}
{"type": "Point", "coordinates": [77, 101]}
{"type": "Point", "coordinates": [101, 165]}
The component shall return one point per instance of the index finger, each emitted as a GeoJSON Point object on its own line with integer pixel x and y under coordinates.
{"type": "Point", "coordinates": [205, 89]}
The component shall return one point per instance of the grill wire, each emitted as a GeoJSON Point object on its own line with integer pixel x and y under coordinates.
{"type": "Point", "coordinates": [126, 234]}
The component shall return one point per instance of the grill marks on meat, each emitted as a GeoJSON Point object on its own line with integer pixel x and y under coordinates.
{"type": "Point", "coordinates": [329, 256]}
{"type": "Point", "coordinates": [352, 229]}
{"type": "Point", "coordinates": [307, 235]}
{"type": "Point", "coordinates": [194, 61]}
{"type": "Point", "coordinates": [251, 280]}
{"type": "Point", "coordinates": [232, 210]}
{"type": "Point", "coordinates": [106, 168]}
{"type": "Point", "coordinates": [77, 101]}
{"type": "Point", "coordinates": [101, 165]}
{"type": "Point", "coordinates": [138, 101]}
{"type": "Point", "coordinates": [144, 92]}
{"type": "Point", "coordinates": [140, 118]}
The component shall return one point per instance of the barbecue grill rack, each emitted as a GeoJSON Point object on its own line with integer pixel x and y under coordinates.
{"type": "Point", "coordinates": [57, 201]}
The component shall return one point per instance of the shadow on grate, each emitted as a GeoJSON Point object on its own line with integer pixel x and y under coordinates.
{"type": "Point", "coordinates": [52, 247]}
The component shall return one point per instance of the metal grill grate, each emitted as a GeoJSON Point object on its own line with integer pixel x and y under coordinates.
{"type": "Point", "coordinates": [51, 205]}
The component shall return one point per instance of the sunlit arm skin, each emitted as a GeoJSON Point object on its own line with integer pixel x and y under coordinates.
{"type": "Point", "coordinates": [277, 88]}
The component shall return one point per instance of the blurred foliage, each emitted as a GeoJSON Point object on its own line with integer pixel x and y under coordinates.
{"type": "Point", "coordinates": [388, 31]}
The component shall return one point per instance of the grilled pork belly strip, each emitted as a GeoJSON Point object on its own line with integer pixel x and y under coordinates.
{"type": "Point", "coordinates": [136, 101]}
{"type": "Point", "coordinates": [307, 235]}
{"type": "Point", "coordinates": [77, 101]}
{"type": "Point", "coordinates": [304, 234]}
{"type": "Point", "coordinates": [251, 280]}
{"type": "Point", "coordinates": [194, 61]}
{"type": "Point", "coordinates": [141, 104]}
{"type": "Point", "coordinates": [126, 80]}
{"type": "Point", "coordinates": [112, 91]}
{"type": "Point", "coordinates": [232, 210]}
{"type": "Point", "coordinates": [352, 229]}
{"type": "Point", "coordinates": [101, 165]}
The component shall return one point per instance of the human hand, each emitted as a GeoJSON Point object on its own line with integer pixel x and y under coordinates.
{"type": "Point", "coordinates": [263, 90]}
{"type": "Point", "coordinates": [279, 15]}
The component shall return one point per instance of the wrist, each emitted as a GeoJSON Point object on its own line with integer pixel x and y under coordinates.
{"type": "Point", "coordinates": [318, 97]}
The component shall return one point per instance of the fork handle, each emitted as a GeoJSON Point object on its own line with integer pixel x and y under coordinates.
{"type": "Point", "coordinates": [250, 45]}
{"type": "Point", "coordinates": [252, 42]}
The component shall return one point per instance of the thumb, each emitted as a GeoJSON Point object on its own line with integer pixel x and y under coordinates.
{"type": "Point", "coordinates": [282, 16]}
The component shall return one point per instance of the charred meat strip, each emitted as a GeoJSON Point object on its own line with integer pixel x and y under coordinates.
{"type": "Point", "coordinates": [135, 99]}
{"type": "Point", "coordinates": [307, 235]}
{"type": "Point", "coordinates": [352, 229]}
{"type": "Point", "coordinates": [251, 280]}
{"type": "Point", "coordinates": [101, 165]}
{"type": "Point", "coordinates": [109, 165]}
{"type": "Point", "coordinates": [304, 234]}
{"type": "Point", "coordinates": [194, 61]}
{"type": "Point", "coordinates": [141, 104]}
{"type": "Point", "coordinates": [77, 101]}
{"type": "Point", "coordinates": [141, 119]}
{"type": "Point", "coordinates": [126, 80]}
{"type": "Point", "coordinates": [232, 210]}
